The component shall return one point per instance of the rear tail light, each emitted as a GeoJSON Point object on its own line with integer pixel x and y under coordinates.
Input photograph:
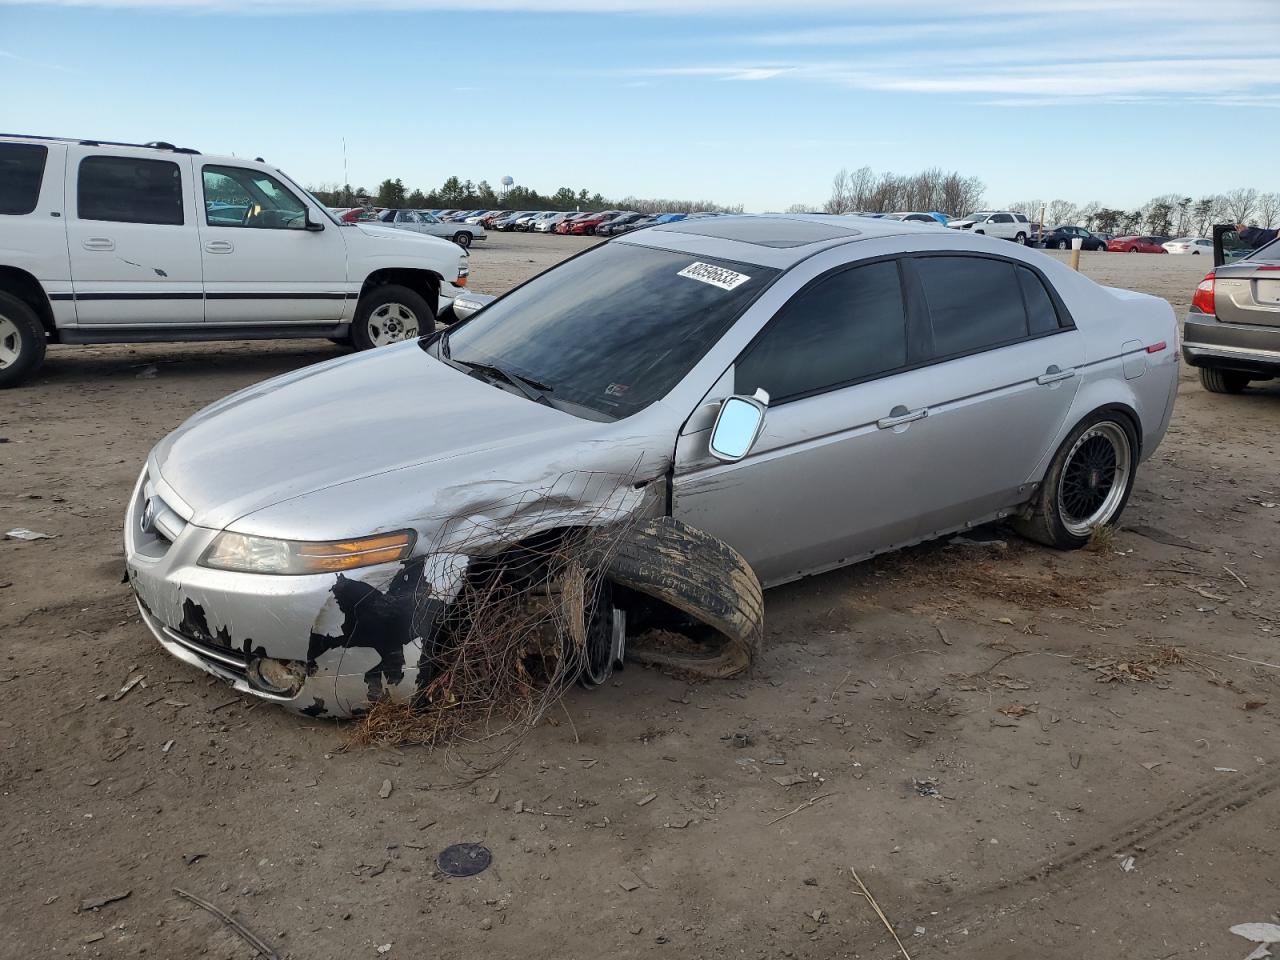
{"type": "Point", "coordinates": [1203, 299]}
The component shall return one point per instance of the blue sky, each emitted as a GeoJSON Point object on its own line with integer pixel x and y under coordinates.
{"type": "Point", "coordinates": [737, 101]}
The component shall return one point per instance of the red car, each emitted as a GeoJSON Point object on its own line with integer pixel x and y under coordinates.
{"type": "Point", "coordinates": [1137, 245]}
{"type": "Point", "coordinates": [587, 225]}
{"type": "Point", "coordinates": [565, 225]}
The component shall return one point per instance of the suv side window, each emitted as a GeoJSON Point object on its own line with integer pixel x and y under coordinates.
{"type": "Point", "coordinates": [240, 197]}
{"type": "Point", "coordinates": [847, 327]}
{"type": "Point", "coordinates": [21, 171]}
{"type": "Point", "coordinates": [1002, 218]}
{"type": "Point", "coordinates": [974, 303]}
{"type": "Point", "coordinates": [130, 190]}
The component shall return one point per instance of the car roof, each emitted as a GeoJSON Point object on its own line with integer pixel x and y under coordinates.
{"type": "Point", "coordinates": [775, 240]}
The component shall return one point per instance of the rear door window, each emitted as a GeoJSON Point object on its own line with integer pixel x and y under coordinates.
{"type": "Point", "coordinates": [130, 190]}
{"type": "Point", "coordinates": [845, 328]}
{"type": "Point", "coordinates": [1042, 316]}
{"type": "Point", "coordinates": [974, 303]}
{"type": "Point", "coordinates": [21, 170]}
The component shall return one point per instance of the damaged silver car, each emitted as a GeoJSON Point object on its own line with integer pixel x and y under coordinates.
{"type": "Point", "coordinates": [747, 400]}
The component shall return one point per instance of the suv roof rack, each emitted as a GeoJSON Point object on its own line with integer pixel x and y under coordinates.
{"type": "Point", "coordinates": [151, 145]}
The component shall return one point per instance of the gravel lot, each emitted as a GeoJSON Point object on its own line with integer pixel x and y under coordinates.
{"type": "Point", "coordinates": [1001, 679]}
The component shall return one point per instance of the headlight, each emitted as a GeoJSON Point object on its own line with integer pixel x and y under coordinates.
{"type": "Point", "coordinates": [246, 554]}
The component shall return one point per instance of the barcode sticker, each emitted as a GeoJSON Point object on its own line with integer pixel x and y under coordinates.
{"type": "Point", "coordinates": [716, 276]}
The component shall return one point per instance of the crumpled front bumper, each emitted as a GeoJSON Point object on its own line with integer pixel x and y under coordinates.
{"type": "Point", "coordinates": [358, 637]}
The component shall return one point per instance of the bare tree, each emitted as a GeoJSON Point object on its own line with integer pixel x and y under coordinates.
{"type": "Point", "coordinates": [840, 201]}
{"type": "Point", "coordinates": [1088, 214]}
{"type": "Point", "coordinates": [1269, 210]}
{"type": "Point", "coordinates": [1060, 212]}
{"type": "Point", "coordinates": [1028, 208]}
{"type": "Point", "coordinates": [1241, 204]}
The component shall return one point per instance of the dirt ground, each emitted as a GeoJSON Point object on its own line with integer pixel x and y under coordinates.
{"type": "Point", "coordinates": [1069, 711]}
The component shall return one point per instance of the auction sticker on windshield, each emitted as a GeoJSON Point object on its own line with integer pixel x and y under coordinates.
{"type": "Point", "coordinates": [716, 276]}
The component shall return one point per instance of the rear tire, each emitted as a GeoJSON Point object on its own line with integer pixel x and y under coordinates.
{"type": "Point", "coordinates": [1223, 381]}
{"type": "Point", "coordinates": [390, 313]}
{"type": "Point", "coordinates": [22, 341]}
{"type": "Point", "coordinates": [462, 239]}
{"type": "Point", "coordinates": [1063, 245]}
{"type": "Point", "coordinates": [1087, 484]}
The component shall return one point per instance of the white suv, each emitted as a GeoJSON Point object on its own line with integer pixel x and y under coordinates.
{"type": "Point", "coordinates": [996, 223]}
{"type": "Point", "coordinates": [123, 243]}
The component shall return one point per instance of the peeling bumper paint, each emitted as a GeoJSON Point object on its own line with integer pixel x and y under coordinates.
{"type": "Point", "coordinates": [361, 636]}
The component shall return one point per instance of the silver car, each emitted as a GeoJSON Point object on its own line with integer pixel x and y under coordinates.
{"type": "Point", "coordinates": [421, 221]}
{"type": "Point", "coordinates": [804, 392]}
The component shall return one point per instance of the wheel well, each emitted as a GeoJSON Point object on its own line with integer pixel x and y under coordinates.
{"type": "Point", "coordinates": [1126, 413]}
{"type": "Point", "coordinates": [27, 288]}
{"type": "Point", "coordinates": [423, 282]}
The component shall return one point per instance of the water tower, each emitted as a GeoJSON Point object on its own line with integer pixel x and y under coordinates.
{"type": "Point", "coordinates": [506, 185]}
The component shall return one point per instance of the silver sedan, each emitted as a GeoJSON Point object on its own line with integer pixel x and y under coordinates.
{"type": "Point", "coordinates": [799, 393]}
{"type": "Point", "coordinates": [420, 221]}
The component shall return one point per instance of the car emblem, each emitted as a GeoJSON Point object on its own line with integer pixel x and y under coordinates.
{"type": "Point", "coordinates": [147, 522]}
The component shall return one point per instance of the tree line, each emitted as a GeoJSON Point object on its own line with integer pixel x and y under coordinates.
{"type": "Point", "coordinates": [1170, 214]}
{"type": "Point", "coordinates": [866, 191]}
{"type": "Point", "coordinates": [460, 194]}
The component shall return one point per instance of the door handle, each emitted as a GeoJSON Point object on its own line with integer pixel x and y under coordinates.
{"type": "Point", "coordinates": [219, 246]}
{"type": "Point", "coordinates": [900, 415]}
{"type": "Point", "coordinates": [1053, 375]}
{"type": "Point", "coordinates": [98, 243]}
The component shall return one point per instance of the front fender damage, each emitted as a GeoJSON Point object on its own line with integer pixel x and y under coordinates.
{"type": "Point", "coordinates": [689, 601]}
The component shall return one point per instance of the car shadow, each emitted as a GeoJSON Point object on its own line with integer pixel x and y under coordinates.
{"type": "Point", "coordinates": [250, 360]}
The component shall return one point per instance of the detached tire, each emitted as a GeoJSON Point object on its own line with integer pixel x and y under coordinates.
{"type": "Point", "coordinates": [390, 313]}
{"type": "Point", "coordinates": [698, 575]}
{"type": "Point", "coordinates": [1223, 381]}
{"type": "Point", "coordinates": [1086, 486]}
{"type": "Point", "coordinates": [22, 341]}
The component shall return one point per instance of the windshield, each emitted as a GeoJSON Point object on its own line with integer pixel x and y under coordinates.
{"type": "Point", "coordinates": [613, 329]}
{"type": "Point", "coordinates": [310, 196]}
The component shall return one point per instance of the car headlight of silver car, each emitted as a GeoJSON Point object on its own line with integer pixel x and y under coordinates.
{"type": "Point", "coordinates": [243, 553]}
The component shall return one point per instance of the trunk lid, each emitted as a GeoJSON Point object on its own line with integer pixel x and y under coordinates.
{"type": "Point", "coordinates": [1248, 291]}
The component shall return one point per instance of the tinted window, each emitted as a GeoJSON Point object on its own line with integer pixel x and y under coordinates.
{"type": "Point", "coordinates": [21, 170]}
{"type": "Point", "coordinates": [973, 303]}
{"type": "Point", "coordinates": [1041, 315]}
{"type": "Point", "coordinates": [259, 199]}
{"type": "Point", "coordinates": [845, 328]}
{"type": "Point", "coordinates": [130, 190]}
{"type": "Point", "coordinates": [1002, 218]}
{"type": "Point", "coordinates": [613, 329]}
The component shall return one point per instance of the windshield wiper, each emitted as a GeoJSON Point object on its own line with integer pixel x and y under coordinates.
{"type": "Point", "coordinates": [532, 389]}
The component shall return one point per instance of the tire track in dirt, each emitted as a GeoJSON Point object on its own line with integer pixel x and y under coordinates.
{"type": "Point", "coordinates": [1155, 833]}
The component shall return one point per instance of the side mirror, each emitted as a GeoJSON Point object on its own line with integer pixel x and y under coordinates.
{"type": "Point", "coordinates": [311, 224]}
{"type": "Point", "coordinates": [737, 426]}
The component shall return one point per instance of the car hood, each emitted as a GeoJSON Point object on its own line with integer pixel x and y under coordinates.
{"type": "Point", "coordinates": [345, 421]}
{"type": "Point", "coordinates": [379, 231]}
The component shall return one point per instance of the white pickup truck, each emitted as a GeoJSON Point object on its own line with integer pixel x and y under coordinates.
{"type": "Point", "coordinates": [1004, 224]}
{"type": "Point", "coordinates": [126, 243]}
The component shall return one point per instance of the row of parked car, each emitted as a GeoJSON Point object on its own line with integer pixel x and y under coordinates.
{"type": "Point", "coordinates": [603, 223]}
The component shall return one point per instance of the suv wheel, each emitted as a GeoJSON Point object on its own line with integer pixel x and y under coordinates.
{"type": "Point", "coordinates": [390, 314]}
{"type": "Point", "coordinates": [462, 239]}
{"type": "Point", "coordinates": [22, 341]}
{"type": "Point", "coordinates": [1020, 238]}
{"type": "Point", "coordinates": [1223, 381]}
